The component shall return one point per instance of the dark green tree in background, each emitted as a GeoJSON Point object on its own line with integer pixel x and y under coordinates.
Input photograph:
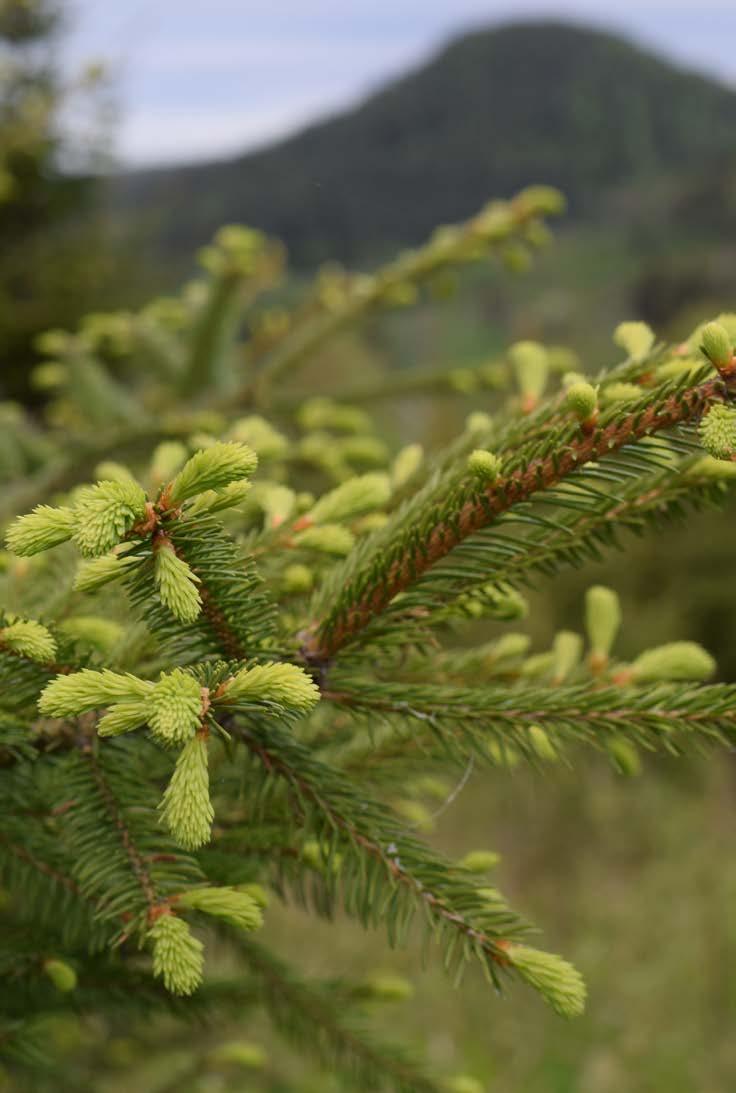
{"type": "Point", "coordinates": [54, 259]}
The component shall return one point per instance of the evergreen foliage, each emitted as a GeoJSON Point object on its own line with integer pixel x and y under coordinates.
{"type": "Point", "coordinates": [231, 662]}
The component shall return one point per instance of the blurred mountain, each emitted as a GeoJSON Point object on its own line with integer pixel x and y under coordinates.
{"type": "Point", "coordinates": [495, 110]}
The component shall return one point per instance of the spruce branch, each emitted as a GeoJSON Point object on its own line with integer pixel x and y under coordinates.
{"type": "Point", "coordinates": [362, 599]}
{"type": "Point", "coordinates": [366, 845]}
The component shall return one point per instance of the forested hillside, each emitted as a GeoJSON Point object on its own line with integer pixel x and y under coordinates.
{"type": "Point", "coordinates": [576, 108]}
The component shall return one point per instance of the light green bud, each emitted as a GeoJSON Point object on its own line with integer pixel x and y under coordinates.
{"type": "Point", "coordinates": [602, 619]}
{"type": "Point", "coordinates": [39, 530]}
{"type": "Point", "coordinates": [480, 861]}
{"type": "Point", "coordinates": [260, 435]}
{"type": "Point", "coordinates": [175, 707]}
{"type": "Point", "coordinates": [105, 513]}
{"type": "Point", "coordinates": [567, 649]}
{"type": "Point", "coordinates": [478, 423]}
{"type": "Point", "coordinates": [553, 977]}
{"type": "Point", "coordinates": [100, 571]}
{"type": "Point", "coordinates": [582, 400]}
{"type": "Point", "coordinates": [717, 345]}
{"type": "Point", "coordinates": [463, 1083]}
{"type": "Point", "coordinates": [327, 539]}
{"type": "Point", "coordinates": [621, 392]}
{"type": "Point", "coordinates": [718, 470]}
{"type": "Point", "coordinates": [297, 579]}
{"type": "Point", "coordinates": [570, 379]}
{"type": "Point", "coordinates": [176, 583]}
{"type": "Point", "coordinates": [508, 647]}
{"type": "Point", "coordinates": [240, 1053]}
{"type": "Point", "coordinates": [717, 431]}
{"type": "Point", "coordinates": [212, 468]}
{"type": "Point", "coordinates": [541, 744]}
{"type": "Point", "coordinates": [531, 364]}
{"type": "Point", "coordinates": [230, 904]}
{"type": "Point", "coordinates": [256, 892]}
{"type": "Point", "coordinates": [352, 498]}
{"type": "Point", "coordinates": [168, 457]}
{"type": "Point", "coordinates": [484, 465]}
{"type": "Point", "coordinates": [544, 201]}
{"type": "Point", "coordinates": [61, 974]}
{"type": "Point", "coordinates": [539, 664]}
{"type": "Point", "coordinates": [123, 717]}
{"type": "Point", "coordinates": [177, 955]}
{"type": "Point", "coordinates": [624, 756]}
{"type": "Point", "coordinates": [385, 987]}
{"type": "Point", "coordinates": [363, 452]}
{"type": "Point", "coordinates": [108, 471]}
{"type": "Point", "coordinates": [284, 684]}
{"type": "Point", "coordinates": [78, 692]}
{"type": "Point", "coordinates": [406, 463]}
{"type": "Point", "coordinates": [678, 660]}
{"type": "Point", "coordinates": [186, 809]}
{"type": "Point", "coordinates": [636, 338]}
{"type": "Point", "coordinates": [29, 639]}
{"type": "Point", "coordinates": [99, 633]}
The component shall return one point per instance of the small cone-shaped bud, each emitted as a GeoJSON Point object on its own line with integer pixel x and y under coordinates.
{"type": "Point", "coordinates": [123, 717]}
{"type": "Point", "coordinates": [61, 974]}
{"type": "Point", "coordinates": [463, 1083]}
{"type": "Point", "coordinates": [212, 469]}
{"type": "Point", "coordinates": [570, 379]}
{"type": "Point", "coordinates": [176, 583]}
{"type": "Point", "coordinates": [100, 571]}
{"type": "Point", "coordinates": [177, 955]}
{"type": "Point", "coordinates": [256, 892]}
{"type": "Point", "coordinates": [406, 463]}
{"type": "Point", "coordinates": [553, 977]}
{"type": "Point", "coordinates": [718, 431]}
{"type": "Point", "coordinates": [567, 649]}
{"type": "Point", "coordinates": [712, 469]}
{"type": "Point", "coordinates": [41, 529]}
{"type": "Point", "coordinates": [186, 808]}
{"type": "Point", "coordinates": [717, 345]}
{"type": "Point", "coordinates": [478, 423]}
{"type": "Point", "coordinates": [541, 744]}
{"type": "Point", "coordinates": [105, 513]}
{"type": "Point", "coordinates": [624, 756]}
{"type": "Point", "coordinates": [175, 707]}
{"type": "Point", "coordinates": [385, 987]}
{"type": "Point", "coordinates": [260, 435]}
{"type": "Point", "coordinates": [621, 392]}
{"type": "Point", "coordinates": [541, 200]}
{"type": "Point", "coordinates": [539, 664]}
{"type": "Point", "coordinates": [352, 498]}
{"type": "Point", "coordinates": [582, 400]}
{"type": "Point", "coordinates": [508, 646]}
{"type": "Point", "coordinates": [240, 1053]}
{"type": "Point", "coordinates": [531, 364]}
{"type": "Point", "coordinates": [108, 471]}
{"type": "Point", "coordinates": [93, 631]}
{"type": "Point", "coordinates": [678, 660]}
{"type": "Point", "coordinates": [602, 619]}
{"type": "Point", "coordinates": [484, 465]}
{"type": "Point", "coordinates": [70, 695]}
{"type": "Point", "coordinates": [297, 579]}
{"type": "Point", "coordinates": [29, 639]}
{"type": "Point", "coordinates": [166, 460]}
{"type": "Point", "coordinates": [284, 684]}
{"type": "Point", "coordinates": [480, 861]}
{"type": "Point", "coordinates": [327, 539]}
{"type": "Point", "coordinates": [636, 338]}
{"type": "Point", "coordinates": [231, 904]}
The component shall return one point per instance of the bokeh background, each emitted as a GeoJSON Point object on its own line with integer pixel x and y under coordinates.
{"type": "Point", "coordinates": [130, 132]}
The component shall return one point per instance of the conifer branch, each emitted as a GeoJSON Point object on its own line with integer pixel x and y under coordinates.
{"type": "Point", "coordinates": [316, 1019]}
{"type": "Point", "coordinates": [361, 600]}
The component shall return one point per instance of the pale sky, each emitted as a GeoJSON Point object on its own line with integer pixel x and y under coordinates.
{"type": "Point", "coordinates": [205, 78]}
